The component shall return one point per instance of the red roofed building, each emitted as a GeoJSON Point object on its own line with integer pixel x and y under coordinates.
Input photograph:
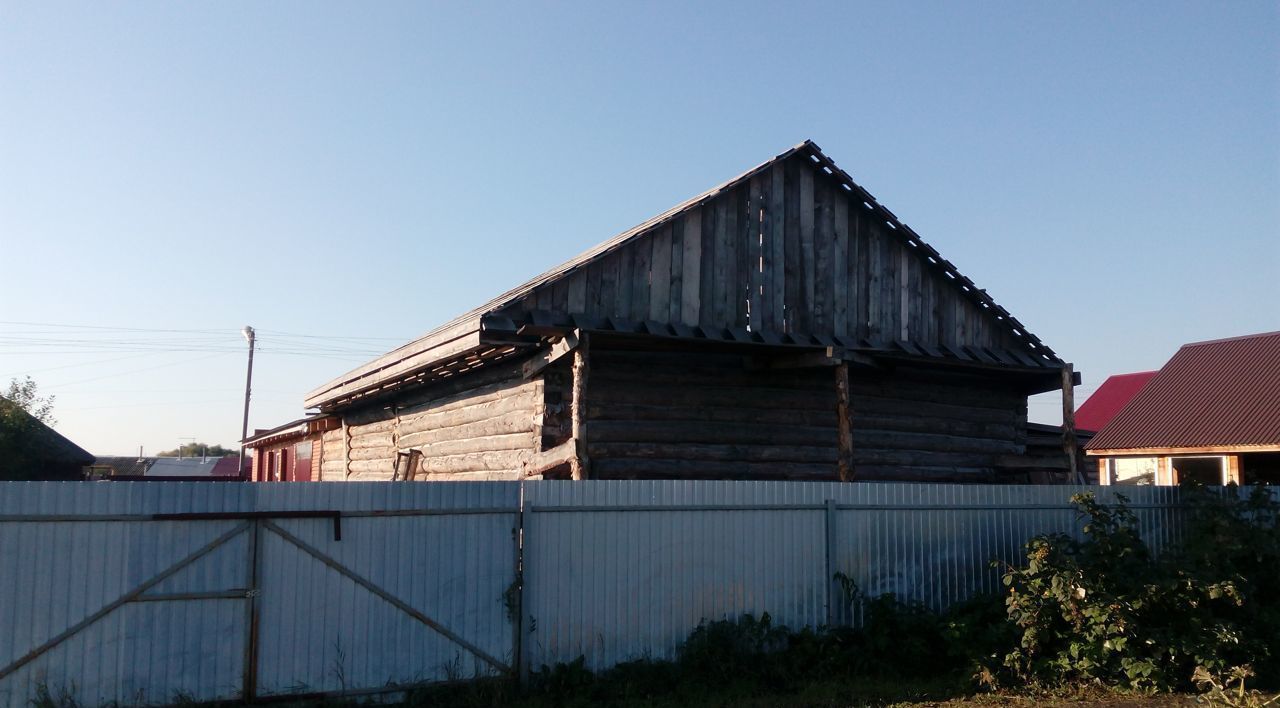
{"type": "Point", "coordinates": [1211, 415]}
{"type": "Point", "coordinates": [1110, 397]}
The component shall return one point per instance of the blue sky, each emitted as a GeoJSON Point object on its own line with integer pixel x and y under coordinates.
{"type": "Point", "coordinates": [1110, 172]}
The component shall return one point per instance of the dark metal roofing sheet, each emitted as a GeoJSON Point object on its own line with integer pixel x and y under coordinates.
{"type": "Point", "coordinates": [1217, 393]}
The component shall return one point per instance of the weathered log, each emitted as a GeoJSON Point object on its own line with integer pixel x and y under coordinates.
{"type": "Point", "coordinates": [487, 476]}
{"type": "Point", "coordinates": [469, 412]}
{"type": "Point", "coordinates": [520, 421]}
{"type": "Point", "coordinates": [885, 439]}
{"type": "Point", "coordinates": [765, 452]}
{"type": "Point", "coordinates": [698, 396]}
{"type": "Point", "coordinates": [512, 441]}
{"type": "Point", "coordinates": [954, 475]}
{"type": "Point", "coordinates": [712, 432]}
{"type": "Point", "coordinates": [359, 440]}
{"type": "Point", "coordinates": [385, 452]}
{"type": "Point", "coordinates": [844, 414]}
{"type": "Point", "coordinates": [381, 426]}
{"type": "Point", "coordinates": [876, 405]}
{"type": "Point", "coordinates": [370, 467]}
{"type": "Point", "coordinates": [541, 462]}
{"type": "Point", "coordinates": [581, 463]}
{"type": "Point", "coordinates": [939, 426]}
{"type": "Point", "coordinates": [506, 460]}
{"type": "Point", "coordinates": [631, 411]}
{"type": "Point", "coordinates": [623, 468]}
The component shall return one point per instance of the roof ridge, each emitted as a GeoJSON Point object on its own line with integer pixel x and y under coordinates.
{"type": "Point", "coordinates": [1259, 335]}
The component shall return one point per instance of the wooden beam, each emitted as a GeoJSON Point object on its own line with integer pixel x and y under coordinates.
{"type": "Point", "coordinates": [581, 464]}
{"type": "Point", "coordinates": [844, 411]}
{"type": "Point", "coordinates": [550, 355]}
{"type": "Point", "coordinates": [1069, 442]}
{"type": "Point", "coordinates": [1233, 470]}
{"type": "Point", "coordinates": [563, 454]}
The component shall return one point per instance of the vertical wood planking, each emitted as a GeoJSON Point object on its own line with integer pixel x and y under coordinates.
{"type": "Point", "coordinates": [622, 303]}
{"type": "Point", "coordinates": [593, 289]}
{"type": "Point", "coordinates": [577, 297]}
{"type": "Point", "coordinates": [842, 281]}
{"type": "Point", "coordinates": [675, 296]}
{"type": "Point", "coordinates": [808, 267]}
{"type": "Point", "coordinates": [774, 236]}
{"type": "Point", "coordinates": [743, 249]}
{"type": "Point", "coordinates": [823, 241]}
{"type": "Point", "coordinates": [660, 275]}
{"type": "Point", "coordinates": [756, 253]}
{"type": "Point", "coordinates": [862, 260]}
{"type": "Point", "coordinates": [793, 264]}
{"type": "Point", "coordinates": [875, 275]}
{"type": "Point", "coordinates": [904, 293]}
{"type": "Point", "coordinates": [691, 265]}
{"type": "Point", "coordinates": [642, 250]}
{"type": "Point", "coordinates": [710, 255]}
{"type": "Point", "coordinates": [609, 285]}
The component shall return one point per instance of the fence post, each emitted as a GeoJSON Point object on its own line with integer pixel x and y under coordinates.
{"type": "Point", "coordinates": [522, 672]}
{"type": "Point", "coordinates": [250, 689]}
{"type": "Point", "coordinates": [832, 589]}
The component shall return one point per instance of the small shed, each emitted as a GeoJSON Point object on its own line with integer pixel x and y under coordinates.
{"type": "Point", "coordinates": [783, 325]}
{"type": "Point", "coordinates": [1210, 415]}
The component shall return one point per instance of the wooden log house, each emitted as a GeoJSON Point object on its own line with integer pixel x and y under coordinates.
{"type": "Point", "coordinates": [783, 325]}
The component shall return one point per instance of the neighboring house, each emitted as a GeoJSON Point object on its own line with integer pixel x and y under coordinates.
{"type": "Point", "coordinates": [783, 325]}
{"type": "Point", "coordinates": [1211, 414]}
{"type": "Point", "coordinates": [1110, 397]}
{"type": "Point", "coordinates": [165, 468]}
{"type": "Point", "coordinates": [291, 452]}
{"type": "Point", "coordinates": [31, 450]}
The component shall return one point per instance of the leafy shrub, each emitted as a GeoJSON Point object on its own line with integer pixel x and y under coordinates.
{"type": "Point", "coordinates": [1104, 609]}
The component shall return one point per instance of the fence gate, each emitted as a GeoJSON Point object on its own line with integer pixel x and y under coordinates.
{"type": "Point", "coordinates": [139, 606]}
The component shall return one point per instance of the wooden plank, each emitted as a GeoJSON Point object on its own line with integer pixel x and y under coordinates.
{"type": "Point", "coordinates": [745, 452]}
{"type": "Point", "coordinates": [691, 265]}
{"type": "Point", "coordinates": [660, 276]}
{"type": "Point", "coordinates": [577, 292]}
{"type": "Point", "coordinates": [904, 294]}
{"type": "Point", "coordinates": [660, 412]}
{"type": "Point", "coordinates": [754, 249]}
{"type": "Point", "coordinates": [710, 257]}
{"type": "Point", "coordinates": [675, 295]}
{"type": "Point", "coordinates": [875, 282]}
{"type": "Point", "coordinates": [710, 432]}
{"type": "Point", "coordinates": [726, 259]}
{"type": "Point", "coordinates": [844, 423]}
{"type": "Point", "coordinates": [840, 263]}
{"type": "Point", "coordinates": [823, 247]}
{"type": "Point", "coordinates": [808, 261]}
{"type": "Point", "coordinates": [793, 264]}
{"type": "Point", "coordinates": [642, 250]}
{"type": "Point", "coordinates": [625, 468]}
{"type": "Point", "coordinates": [609, 286]}
{"type": "Point", "coordinates": [861, 271]}
{"type": "Point", "coordinates": [626, 271]}
{"type": "Point", "coordinates": [550, 355]}
{"type": "Point", "coordinates": [774, 236]}
{"type": "Point", "coordinates": [581, 465]}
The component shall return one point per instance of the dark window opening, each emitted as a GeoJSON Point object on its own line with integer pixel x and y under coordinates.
{"type": "Point", "coordinates": [1260, 468]}
{"type": "Point", "coordinates": [1201, 470]}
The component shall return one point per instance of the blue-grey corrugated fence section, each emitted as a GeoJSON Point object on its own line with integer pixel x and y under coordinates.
{"type": "Point", "coordinates": [324, 588]}
{"type": "Point", "coordinates": [327, 615]}
{"type": "Point", "coordinates": [623, 570]}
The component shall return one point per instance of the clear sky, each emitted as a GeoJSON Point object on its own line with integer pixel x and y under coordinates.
{"type": "Point", "coordinates": [362, 172]}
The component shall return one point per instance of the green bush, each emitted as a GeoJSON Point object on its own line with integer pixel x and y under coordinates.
{"type": "Point", "coordinates": [1104, 609]}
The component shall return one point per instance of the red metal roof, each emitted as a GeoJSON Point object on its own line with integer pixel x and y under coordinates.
{"type": "Point", "coordinates": [1110, 397]}
{"type": "Point", "coordinates": [1223, 392]}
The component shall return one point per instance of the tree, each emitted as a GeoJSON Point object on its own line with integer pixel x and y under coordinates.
{"type": "Point", "coordinates": [198, 449]}
{"type": "Point", "coordinates": [23, 393]}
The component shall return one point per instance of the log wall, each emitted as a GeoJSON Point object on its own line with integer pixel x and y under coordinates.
{"type": "Point", "coordinates": [658, 415]}
{"type": "Point", "coordinates": [481, 433]}
{"type": "Point", "coordinates": [935, 427]}
{"type": "Point", "coordinates": [332, 465]}
{"type": "Point", "coordinates": [790, 250]}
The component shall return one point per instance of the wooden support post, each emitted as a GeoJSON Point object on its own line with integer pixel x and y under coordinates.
{"type": "Point", "coordinates": [1104, 477]}
{"type": "Point", "coordinates": [844, 464]}
{"type": "Point", "coordinates": [581, 465]}
{"type": "Point", "coordinates": [346, 450]}
{"type": "Point", "coordinates": [1233, 470]}
{"type": "Point", "coordinates": [1069, 442]}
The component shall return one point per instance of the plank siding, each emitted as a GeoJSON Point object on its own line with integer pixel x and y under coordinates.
{"type": "Point", "coordinates": [789, 250]}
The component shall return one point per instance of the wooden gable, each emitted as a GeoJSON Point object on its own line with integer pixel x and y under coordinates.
{"type": "Point", "coordinates": [791, 247]}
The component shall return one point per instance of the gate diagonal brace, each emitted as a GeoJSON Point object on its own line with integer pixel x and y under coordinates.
{"type": "Point", "coordinates": [133, 595]}
{"type": "Point", "coordinates": [393, 600]}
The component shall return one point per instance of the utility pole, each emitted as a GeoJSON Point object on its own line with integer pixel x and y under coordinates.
{"type": "Point", "coordinates": [248, 383]}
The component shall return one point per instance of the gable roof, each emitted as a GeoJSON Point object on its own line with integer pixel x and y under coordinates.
{"type": "Point", "coordinates": [458, 345]}
{"type": "Point", "coordinates": [56, 446]}
{"type": "Point", "coordinates": [1110, 397]}
{"type": "Point", "coordinates": [1224, 392]}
